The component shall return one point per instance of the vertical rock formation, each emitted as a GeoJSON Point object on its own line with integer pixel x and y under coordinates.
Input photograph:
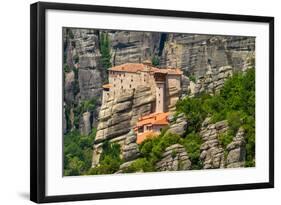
{"type": "Point", "coordinates": [133, 47]}
{"type": "Point", "coordinates": [118, 116]}
{"type": "Point", "coordinates": [237, 150]}
{"type": "Point", "coordinates": [174, 158]}
{"type": "Point", "coordinates": [85, 124]}
{"type": "Point", "coordinates": [178, 126]}
{"type": "Point", "coordinates": [194, 53]}
{"type": "Point", "coordinates": [212, 154]}
{"type": "Point", "coordinates": [212, 81]}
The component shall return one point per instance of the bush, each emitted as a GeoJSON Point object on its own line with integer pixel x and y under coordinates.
{"type": "Point", "coordinates": [155, 61]}
{"type": "Point", "coordinates": [110, 160]}
{"type": "Point", "coordinates": [192, 143]}
{"type": "Point", "coordinates": [192, 78]}
{"type": "Point", "coordinates": [140, 165]}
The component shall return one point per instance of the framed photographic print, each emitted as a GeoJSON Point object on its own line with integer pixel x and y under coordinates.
{"type": "Point", "coordinates": [129, 102]}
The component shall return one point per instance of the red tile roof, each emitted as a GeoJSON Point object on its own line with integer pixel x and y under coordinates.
{"type": "Point", "coordinates": [154, 119]}
{"type": "Point", "coordinates": [136, 67]}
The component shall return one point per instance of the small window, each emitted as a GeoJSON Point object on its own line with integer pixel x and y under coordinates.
{"type": "Point", "coordinates": [130, 85]}
{"type": "Point", "coordinates": [121, 81]}
{"type": "Point", "coordinates": [131, 80]}
{"type": "Point", "coordinates": [140, 129]}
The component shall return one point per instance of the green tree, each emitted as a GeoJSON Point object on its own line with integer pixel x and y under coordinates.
{"type": "Point", "coordinates": [105, 50]}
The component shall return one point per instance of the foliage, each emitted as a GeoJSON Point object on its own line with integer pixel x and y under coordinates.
{"type": "Point", "coordinates": [194, 110]}
{"type": "Point", "coordinates": [152, 148]}
{"type": "Point", "coordinates": [105, 50]}
{"type": "Point", "coordinates": [77, 153]}
{"type": "Point", "coordinates": [69, 33]}
{"type": "Point", "coordinates": [192, 78]}
{"type": "Point", "coordinates": [192, 143]}
{"type": "Point", "coordinates": [75, 58]}
{"type": "Point", "coordinates": [225, 139]}
{"type": "Point", "coordinates": [110, 160]}
{"type": "Point", "coordinates": [140, 165]}
{"type": "Point", "coordinates": [66, 68]}
{"type": "Point", "coordinates": [155, 61]}
{"type": "Point", "coordinates": [235, 102]}
{"type": "Point", "coordinates": [83, 106]}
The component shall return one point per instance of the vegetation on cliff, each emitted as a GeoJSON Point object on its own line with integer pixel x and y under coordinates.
{"type": "Point", "coordinates": [235, 103]}
{"type": "Point", "coordinates": [77, 153]}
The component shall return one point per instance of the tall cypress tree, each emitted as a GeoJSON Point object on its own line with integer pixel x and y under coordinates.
{"type": "Point", "coordinates": [105, 51]}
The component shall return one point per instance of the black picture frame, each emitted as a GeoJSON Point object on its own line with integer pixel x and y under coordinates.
{"type": "Point", "coordinates": [38, 100]}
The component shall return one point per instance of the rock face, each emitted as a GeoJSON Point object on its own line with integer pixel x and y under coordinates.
{"type": "Point", "coordinates": [212, 81]}
{"type": "Point", "coordinates": [133, 47]}
{"type": "Point", "coordinates": [237, 151]}
{"type": "Point", "coordinates": [178, 126]}
{"type": "Point", "coordinates": [212, 154]}
{"type": "Point", "coordinates": [195, 53]}
{"type": "Point", "coordinates": [85, 124]}
{"type": "Point", "coordinates": [118, 116]}
{"type": "Point", "coordinates": [174, 158]}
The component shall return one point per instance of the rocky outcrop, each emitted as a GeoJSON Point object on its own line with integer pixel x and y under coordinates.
{"type": "Point", "coordinates": [85, 124]}
{"type": "Point", "coordinates": [212, 81]}
{"type": "Point", "coordinates": [133, 47]}
{"type": "Point", "coordinates": [69, 81]}
{"type": "Point", "coordinates": [195, 53]}
{"type": "Point", "coordinates": [212, 154]}
{"type": "Point", "coordinates": [237, 150]}
{"type": "Point", "coordinates": [117, 117]}
{"type": "Point", "coordinates": [174, 158]}
{"type": "Point", "coordinates": [130, 149]}
{"type": "Point", "coordinates": [178, 126]}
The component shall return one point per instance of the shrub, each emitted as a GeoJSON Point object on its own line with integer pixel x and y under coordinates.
{"type": "Point", "coordinates": [110, 160]}
{"type": "Point", "coordinates": [192, 78]}
{"type": "Point", "coordinates": [140, 165]}
{"type": "Point", "coordinates": [155, 61]}
{"type": "Point", "coordinates": [192, 143]}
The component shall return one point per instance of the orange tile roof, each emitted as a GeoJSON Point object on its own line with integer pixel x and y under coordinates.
{"type": "Point", "coordinates": [145, 135]}
{"type": "Point", "coordinates": [136, 67]}
{"type": "Point", "coordinates": [154, 119]}
{"type": "Point", "coordinates": [107, 86]}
